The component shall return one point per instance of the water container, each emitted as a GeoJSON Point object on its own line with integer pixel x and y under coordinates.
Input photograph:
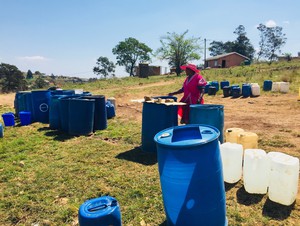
{"type": "Point", "coordinates": [232, 161]}
{"type": "Point", "coordinates": [215, 84]}
{"type": "Point", "coordinates": [8, 119]}
{"type": "Point", "coordinates": [112, 100]}
{"type": "Point", "coordinates": [100, 116]}
{"type": "Point", "coordinates": [191, 178]}
{"type": "Point", "coordinates": [22, 102]}
{"type": "Point", "coordinates": [226, 91]}
{"type": "Point", "coordinates": [54, 113]}
{"type": "Point", "coordinates": [81, 116]}
{"type": "Point", "coordinates": [100, 211]}
{"type": "Point", "coordinates": [40, 102]}
{"type": "Point", "coordinates": [25, 117]}
{"type": "Point", "coordinates": [255, 90]}
{"type": "Point", "coordinates": [212, 90]}
{"type": "Point", "coordinates": [208, 114]}
{"type": "Point", "coordinates": [284, 87]}
{"type": "Point", "coordinates": [256, 171]}
{"type": "Point", "coordinates": [246, 90]}
{"type": "Point", "coordinates": [110, 110]}
{"type": "Point", "coordinates": [267, 85]}
{"type": "Point", "coordinates": [275, 87]}
{"type": "Point", "coordinates": [284, 178]}
{"type": "Point", "coordinates": [224, 83]}
{"type": "Point", "coordinates": [231, 134]}
{"type": "Point", "coordinates": [156, 117]}
{"type": "Point", "coordinates": [249, 140]}
{"type": "Point", "coordinates": [1, 130]}
{"type": "Point", "coordinates": [207, 86]}
{"type": "Point", "coordinates": [235, 92]}
{"type": "Point", "coordinates": [64, 112]}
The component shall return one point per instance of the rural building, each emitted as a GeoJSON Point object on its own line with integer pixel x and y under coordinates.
{"type": "Point", "coordinates": [226, 60]}
{"type": "Point", "coordinates": [144, 70]}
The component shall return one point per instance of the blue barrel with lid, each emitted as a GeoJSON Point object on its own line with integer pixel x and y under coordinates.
{"type": "Point", "coordinates": [209, 114]}
{"type": "Point", "coordinates": [100, 211]}
{"type": "Point", "coordinates": [40, 105]}
{"type": "Point", "coordinates": [212, 90]}
{"type": "Point", "coordinates": [267, 85]}
{"type": "Point", "coordinates": [8, 119]}
{"type": "Point", "coordinates": [25, 117]}
{"type": "Point", "coordinates": [215, 84]}
{"type": "Point", "coordinates": [235, 91]}
{"type": "Point", "coordinates": [191, 175]}
{"type": "Point", "coordinates": [226, 91]}
{"type": "Point", "coordinates": [224, 83]}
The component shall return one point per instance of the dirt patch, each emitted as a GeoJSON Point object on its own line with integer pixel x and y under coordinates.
{"type": "Point", "coordinates": [7, 99]}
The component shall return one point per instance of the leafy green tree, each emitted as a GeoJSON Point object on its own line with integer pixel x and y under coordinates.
{"type": "Point", "coordinates": [131, 51]}
{"type": "Point", "coordinates": [40, 83]}
{"type": "Point", "coordinates": [178, 50]}
{"type": "Point", "coordinates": [11, 78]}
{"type": "Point", "coordinates": [271, 41]}
{"type": "Point", "coordinates": [241, 45]}
{"type": "Point", "coordinates": [104, 67]}
{"type": "Point", "coordinates": [29, 75]}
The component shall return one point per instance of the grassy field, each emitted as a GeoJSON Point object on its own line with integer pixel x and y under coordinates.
{"type": "Point", "coordinates": [45, 175]}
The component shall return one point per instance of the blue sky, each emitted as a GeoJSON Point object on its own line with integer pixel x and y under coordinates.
{"type": "Point", "coordinates": [65, 37]}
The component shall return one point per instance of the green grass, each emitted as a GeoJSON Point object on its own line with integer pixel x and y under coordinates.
{"type": "Point", "coordinates": [45, 175]}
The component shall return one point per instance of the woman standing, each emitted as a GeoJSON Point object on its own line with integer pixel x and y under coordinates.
{"type": "Point", "coordinates": [193, 90]}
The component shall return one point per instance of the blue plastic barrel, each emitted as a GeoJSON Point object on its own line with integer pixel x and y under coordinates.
{"type": "Point", "coordinates": [110, 110]}
{"type": "Point", "coordinates": [40, 102]}
{"type": "Point", "coordinates": [235, 91]}
{"type": "Point", "coordinates": [267, 85]}
{"type": "Point", "coordinates": [20, 102]}
{"type": "Point", "coordinates": [207, 86]}
{"type": "Point", "coordinates": [215, 84]}
{"type": "Point", "coordinates": [212, 90]}
{"type": "Point", "coordinates": [156, 117]}
{"type": "Point", "coordinates": [233, 86]}
{"type": "Point", "coordinates": [208, 114]}
{"type": "Point", "coordinates": [81, 116]}
{"type": "Point", "coordinates": [25, 118]}
{"type": "Point", "coordinates": [54, 112]}
{"type": "Point", "coordinates": [224, 83]}
{"type": "Point", "coordinates": [100, 211]}
{"type": "Point", "coordinates": [100, 116]}
{"type": "Point", "coordinates": [246, 90]}
{"type": "Point", "coordinates": [191, 175]}
{"type": "Point", "coordinates": [1, 130]}
{"type": "Point", "coordinates": [8, 119]}
{"type": "Point", "coordinates": [226, 91]}
{"type": "Point", "coordinates": [64, 112]}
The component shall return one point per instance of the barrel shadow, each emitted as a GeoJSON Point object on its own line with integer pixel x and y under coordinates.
{"type": "Point", "coordinates": [139, 156]}
{"type": "Point", "coordinates": [229, 186]}
{"type": "Point", "coordinates": [247, 199]}
{"type": "Point", "coordinates": [276, 210]}
{"type": "Point", "coordinates": [56, 134]}
{"type": "Point", "coordinates": [164, 223]}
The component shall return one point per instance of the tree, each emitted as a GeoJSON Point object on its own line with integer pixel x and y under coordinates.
{"type": "Point", "coordinates": [241, 45]}
{"type": "Point", "coordinates": [11, 78]}
{"type": "Point", "coordinates": [40, 83]}
{"type": "Point", "coordinates": [104, 67]}
{"type": "Point", "coordinates": [129, 52]}
{"type": "Point", "coordinates": [29, 75]}
{"type": "Point", "coordinates": [178, 50]}
{"type": "Point", "coordinates": [271, 41]}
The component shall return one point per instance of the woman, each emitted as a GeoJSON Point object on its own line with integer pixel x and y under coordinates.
{"type": "Point", "coordinates": [193, 90]}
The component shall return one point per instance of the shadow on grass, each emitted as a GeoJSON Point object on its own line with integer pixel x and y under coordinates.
{"type": "Point", "coordinates": [138, 155]}
{"type": "Point", "coordinates": [247, 199]}
{"type": "Point", "coordinates": [56, 134]}
{"type": "Point", "coordinates": [229, 186]}
{"type": "Point", "coordinates": [276, 210]}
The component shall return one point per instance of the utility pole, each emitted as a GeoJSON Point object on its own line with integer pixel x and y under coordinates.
{"type": "Point", "coordinates": [204, 53]}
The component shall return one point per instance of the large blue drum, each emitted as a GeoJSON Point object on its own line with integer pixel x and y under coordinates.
{"type": "Point", "coordinates": [40, 103]}
{"type": "Point", "coordinates": [191, 176]}
{"type": "Point", "coordinates": [209, 114]}
{"type": "Point", "coordinates": [156, 117]}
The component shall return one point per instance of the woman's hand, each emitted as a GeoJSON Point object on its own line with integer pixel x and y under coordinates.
{"type": "Point", "coordinates": [170, 94]}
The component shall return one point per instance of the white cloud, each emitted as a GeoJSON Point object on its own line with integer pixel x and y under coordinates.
{"type": "Point", "coordinates": [33, 58]}
{"type": "Point", "coordinates": [271, 23]}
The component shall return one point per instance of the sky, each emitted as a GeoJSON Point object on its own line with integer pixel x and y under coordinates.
{"type": "Point", "coordinates": [66, 37]}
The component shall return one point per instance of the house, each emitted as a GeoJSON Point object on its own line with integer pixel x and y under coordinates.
{"type": "Point", "coordinates": [144, 70]}
{"type": "Point", "coordinates": [226, 60]}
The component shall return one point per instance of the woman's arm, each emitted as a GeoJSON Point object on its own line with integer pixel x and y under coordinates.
{"type": "Point", "coordinates": [176, 92]}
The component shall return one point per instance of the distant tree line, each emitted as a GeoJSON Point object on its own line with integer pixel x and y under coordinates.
{"type": "Point", "coordinates": [178, 49]}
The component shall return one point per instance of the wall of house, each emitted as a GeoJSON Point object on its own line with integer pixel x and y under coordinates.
{"type": "Point", "coordinates": [231, 60]}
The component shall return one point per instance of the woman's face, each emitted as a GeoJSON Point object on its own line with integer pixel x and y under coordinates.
{"type": "Point", "coordinates": [189, 72]}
